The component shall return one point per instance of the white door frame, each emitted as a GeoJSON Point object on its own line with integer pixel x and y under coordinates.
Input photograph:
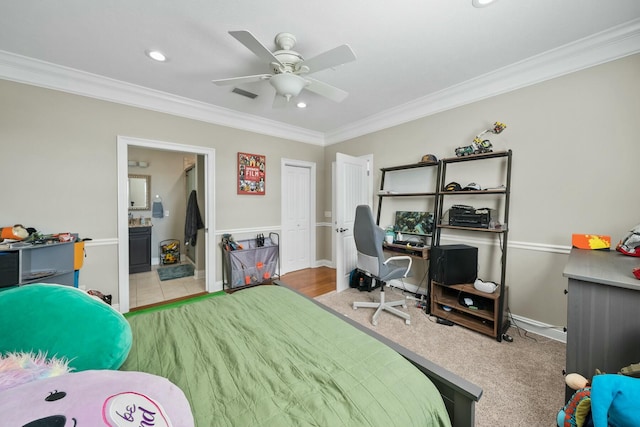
{"type": "Point", "coordinates": [123, 211]}
{"type": "Point", "coordinates": [312, 202]}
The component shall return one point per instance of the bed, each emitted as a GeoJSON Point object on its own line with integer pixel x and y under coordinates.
{"type": "Point", "coordinates": [269, 356]}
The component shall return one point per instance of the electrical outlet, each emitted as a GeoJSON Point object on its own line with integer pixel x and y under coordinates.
{"type": "Point", "coordinates": [327, 214]}
{"type": "Point", "coordinates": [166, 213]}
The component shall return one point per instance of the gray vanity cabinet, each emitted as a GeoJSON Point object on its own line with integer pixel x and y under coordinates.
{"type": "Point", "coordinates": [139, 249]}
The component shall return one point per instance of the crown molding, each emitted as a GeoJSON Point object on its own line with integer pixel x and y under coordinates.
{"type": "Point", "coordinates": [31, 71]}
{"type": "Point", "coordinates": [611, 44]}
{"type": "Point", "coordinates": [614, 43]}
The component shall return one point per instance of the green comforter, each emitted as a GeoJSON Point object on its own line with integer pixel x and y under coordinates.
{"type": "Point", "coordinates": [266, 356]}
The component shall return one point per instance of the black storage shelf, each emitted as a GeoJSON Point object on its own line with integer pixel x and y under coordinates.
{"type": "Point", "coordinates": [494, 322]}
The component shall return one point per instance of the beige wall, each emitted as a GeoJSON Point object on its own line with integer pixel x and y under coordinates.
{"type": "Point", "coordinates": [60, 174]}
{"type": "Point", "coordinates": [575, 170]}
{"type": "Point", "coordinates": [574, 140]}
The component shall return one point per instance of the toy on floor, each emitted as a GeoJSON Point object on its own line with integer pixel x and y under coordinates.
{"type": "Point", "coordinates": [608, 400]}
{"type": "Point", "coordinates": [97, 398]}
{"type": "Point", "coordinates": [578, 408]}
{"type": "Point", "coordinates": [614, 400]}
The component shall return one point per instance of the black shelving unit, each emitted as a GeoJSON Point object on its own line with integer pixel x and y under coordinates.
{"type": "Point", "coordinates": [382, 194]}
{"type": "Point", "coordinates": [492, 320]}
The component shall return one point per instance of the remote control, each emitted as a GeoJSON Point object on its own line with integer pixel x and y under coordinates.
{"type": "Point", "coordinates": [444, 321]}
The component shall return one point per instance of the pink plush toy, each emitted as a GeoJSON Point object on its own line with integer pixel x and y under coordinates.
{"type": "Point", "coordinates": [96, 398]}
{"type": "Point", "coordinates": [20, 368]}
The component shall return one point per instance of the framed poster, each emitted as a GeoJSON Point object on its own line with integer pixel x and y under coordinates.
{"type": "Point", "coordinates": [251, 174]}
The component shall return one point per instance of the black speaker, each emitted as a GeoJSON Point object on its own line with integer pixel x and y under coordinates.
{"type": "Point", "coordinates": [453, 264]}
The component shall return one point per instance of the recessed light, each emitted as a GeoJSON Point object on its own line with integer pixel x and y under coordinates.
{"type": "Point", "coordinates": [481, 3]}
{"type": "Point", "coordinates": [301, 105]}
{"type": "Point", "coordinates": [156, 55]}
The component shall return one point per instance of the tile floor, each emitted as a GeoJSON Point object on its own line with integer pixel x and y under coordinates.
{"type": "Point", "coordinates": [146, 288]}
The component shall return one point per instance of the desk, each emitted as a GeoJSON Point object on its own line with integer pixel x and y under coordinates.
{"type": "Point", "coordinates": [603, 325]}
{"type": "Point", "coordinates": [413, 251]}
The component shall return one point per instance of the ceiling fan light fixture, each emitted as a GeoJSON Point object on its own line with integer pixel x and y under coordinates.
{"type": "Point", "coordinates": [481, 3]}
{"type": "Point", "coordinates": [287, 84]}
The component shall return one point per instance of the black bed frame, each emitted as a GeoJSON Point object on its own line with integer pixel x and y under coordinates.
{"type": "Point", "coordinates": [459, 395]}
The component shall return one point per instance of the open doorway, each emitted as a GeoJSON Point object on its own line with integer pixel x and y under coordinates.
{"type": "Point", "coordinates": [204, 161]}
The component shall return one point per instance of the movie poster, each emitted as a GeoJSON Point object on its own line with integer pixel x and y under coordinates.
{"type": "Point", "coordinates": [251, 174]}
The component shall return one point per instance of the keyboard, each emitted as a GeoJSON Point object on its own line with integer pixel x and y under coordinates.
{"type": "Point", "coordinates": [409, 242]}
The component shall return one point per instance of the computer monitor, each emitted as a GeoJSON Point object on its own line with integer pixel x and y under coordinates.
{"type": "Point", "coordinates": [414, 222]}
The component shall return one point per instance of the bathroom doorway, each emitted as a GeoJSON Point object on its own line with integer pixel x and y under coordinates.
{"type": "Point", "coordinates": [203, 173]}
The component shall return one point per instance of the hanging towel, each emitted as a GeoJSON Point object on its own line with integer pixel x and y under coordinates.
{"type": "Point", "coordinates": [193, 222]}
{"type": "Point", "coordinates": [157, 211]}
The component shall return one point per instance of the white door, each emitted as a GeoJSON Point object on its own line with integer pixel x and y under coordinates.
{"type": "Point", "coordinates": [296, 218]}
{"type": "Point", "coordinates": [352, 188]}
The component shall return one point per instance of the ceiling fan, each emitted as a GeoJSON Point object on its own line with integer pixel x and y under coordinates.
{"type": "Point", "coordinates": [289, 70]}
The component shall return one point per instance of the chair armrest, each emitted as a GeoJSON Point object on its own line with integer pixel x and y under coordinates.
{"type": "Point", "coordinates": [401, 258]}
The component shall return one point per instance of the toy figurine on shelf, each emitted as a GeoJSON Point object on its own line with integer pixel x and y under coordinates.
{"type": "Point", "coordinates": [479, 145]}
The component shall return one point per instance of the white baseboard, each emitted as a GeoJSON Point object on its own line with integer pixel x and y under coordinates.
{"type": "Point", "coordinates": [533, 326]}
{"type": "Point", "coordinates": [324, 263]}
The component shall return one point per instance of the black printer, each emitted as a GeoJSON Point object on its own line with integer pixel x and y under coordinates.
{"type": "Point", "coordinates": [468, 216]}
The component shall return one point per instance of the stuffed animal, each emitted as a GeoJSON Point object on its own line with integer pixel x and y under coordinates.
{"type": "Point", "coordinates": [20, 368]}
{"type": "Point", "coordinates": [608, 400]}
{"type": "Point", "coordinates": [578, 409]}
{"type": "Point", "coordinates": [97, 398]}
{"type": "Point", "coordinates": [614, 400]}
{"type": "Point", "coordinates": [17, 232]}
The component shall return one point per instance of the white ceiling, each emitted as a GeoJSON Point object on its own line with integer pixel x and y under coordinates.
{"type": "Point", "coordinates": [413, 57]}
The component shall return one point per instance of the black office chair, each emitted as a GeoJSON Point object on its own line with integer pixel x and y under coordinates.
{"type": "Point", "coordinates": [369, 237]}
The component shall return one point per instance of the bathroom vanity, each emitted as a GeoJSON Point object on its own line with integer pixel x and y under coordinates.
{"type": "Point", "coordinates": [139, 246]}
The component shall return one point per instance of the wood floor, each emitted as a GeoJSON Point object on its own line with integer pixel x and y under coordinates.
{"type": "Point", "coordinates": [311, 281]}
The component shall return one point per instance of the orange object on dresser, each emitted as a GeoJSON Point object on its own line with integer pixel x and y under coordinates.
{"type": "Point", "coordinates": [590, 241]}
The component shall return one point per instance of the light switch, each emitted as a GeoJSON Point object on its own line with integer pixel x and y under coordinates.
{"type": "Point", "coordinates": [166, 213]}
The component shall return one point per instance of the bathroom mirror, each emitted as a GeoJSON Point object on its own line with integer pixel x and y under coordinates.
{"type": "Point", "coordinates": [139, 189]}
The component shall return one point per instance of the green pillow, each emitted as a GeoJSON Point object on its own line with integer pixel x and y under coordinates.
{"type": "Point", "coordinates": [63, 321]}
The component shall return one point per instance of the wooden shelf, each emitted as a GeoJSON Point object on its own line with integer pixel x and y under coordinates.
{"type": "Point", "coordinates": [482, 320]}
{"type": "Point", "coordinates": [492, 155]}
{"type": "Point", "coordinates": [409, 166]}
{"type": "Point", "coordinates": [407, 194]}
{"type": "Point", "coordinates": [458, 227]}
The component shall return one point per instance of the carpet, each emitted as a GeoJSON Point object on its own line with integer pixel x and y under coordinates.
{"type": "Point", "coordinates": [175, 272]}
{"type": "Point", "coordinates": [522, 381]}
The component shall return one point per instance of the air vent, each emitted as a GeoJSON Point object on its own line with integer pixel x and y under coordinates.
{"type": "Point", "coordinates": [244, 93]}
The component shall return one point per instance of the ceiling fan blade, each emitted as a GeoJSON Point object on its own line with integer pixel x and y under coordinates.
{"type": "Point", "coordinates": [240, 80]}
{"type": "Point", "coordinates": [254, 45]}
{"type": "Point", "coordinates": [331, 58]}
{"type": "Point", "coordinates": [326, 90]}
